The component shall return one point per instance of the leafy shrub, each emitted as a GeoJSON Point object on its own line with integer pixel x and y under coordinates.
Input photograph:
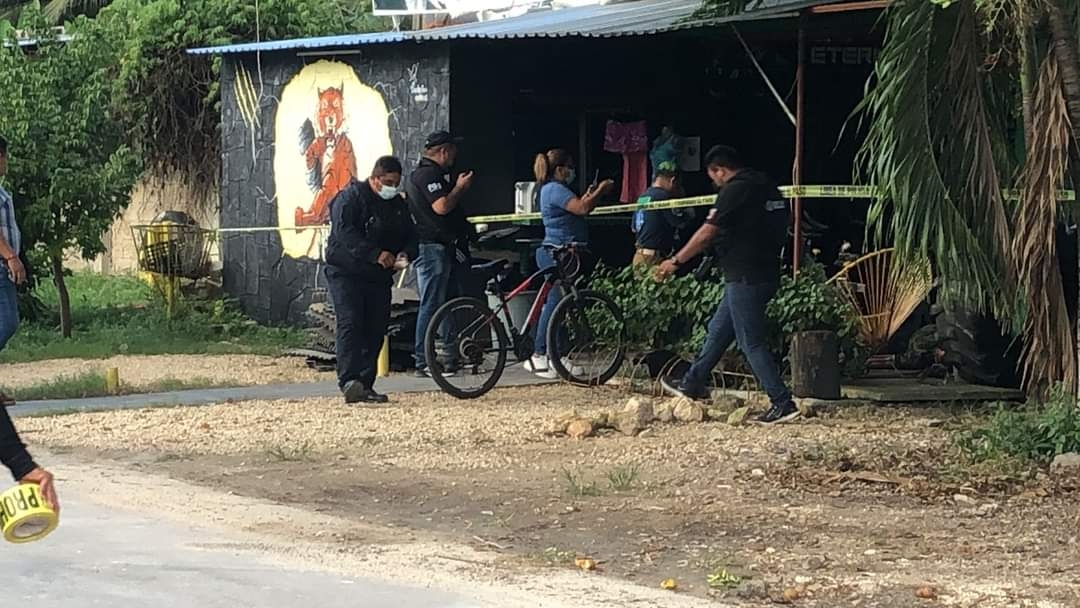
{"type": "Point", "coordinates": [807, 302]}
{"type": "Point", "coordinates": [1038, 432]}
{"type": "Point", "coordinates": [671, 315]}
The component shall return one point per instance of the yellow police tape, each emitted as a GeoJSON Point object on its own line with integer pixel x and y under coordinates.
{"type": "Point", "coordinates": [24, 516]}
{"type": "Point", "coordinates": [702, 201]}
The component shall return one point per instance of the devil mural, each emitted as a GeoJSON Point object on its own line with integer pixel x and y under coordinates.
{"type": "Point", "coordinates": [331, 163]}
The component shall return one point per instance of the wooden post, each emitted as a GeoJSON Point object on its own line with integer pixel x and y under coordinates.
{"type": "Point", "coordinates": [797, 174]}
{"type": "Point", "coordinates": [112, 381]}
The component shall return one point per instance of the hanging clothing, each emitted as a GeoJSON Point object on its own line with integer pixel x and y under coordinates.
{"type": "Point", "coordinates": [631, 139]}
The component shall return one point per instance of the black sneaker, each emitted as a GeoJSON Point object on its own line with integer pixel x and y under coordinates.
{"type": "Point", "coordinates": [780, 413]}
{"type": "Point", "coordinates": [427, 373]}
{"type": "Point", "coordinates": [679, 389]}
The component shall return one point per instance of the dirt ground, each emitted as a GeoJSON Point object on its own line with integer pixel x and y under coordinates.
{"type": "Point", "coordinates": [142, 371]}
{"type": "Point", "coordinates": [859, 506]}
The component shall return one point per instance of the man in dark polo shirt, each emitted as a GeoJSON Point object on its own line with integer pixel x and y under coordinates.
{"type": "Point", "coordinates": [747, 228]}
{"type": "Point", "coordinates": [443, 232]}
{"type": "Point", "coordinates": [656, 229]}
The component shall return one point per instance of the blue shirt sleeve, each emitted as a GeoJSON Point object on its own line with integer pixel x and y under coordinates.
{"type": "Point", "coordinates": [555, 195]}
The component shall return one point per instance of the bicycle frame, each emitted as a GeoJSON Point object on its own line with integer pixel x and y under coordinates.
{"type": "Point", "coordinates": [551, 280]}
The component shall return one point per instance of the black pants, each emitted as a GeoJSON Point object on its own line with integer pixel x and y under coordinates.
{"type": "Point", "coordinates": [362, 309]}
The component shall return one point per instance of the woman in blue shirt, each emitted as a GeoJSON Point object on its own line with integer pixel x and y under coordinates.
{"type": "Point", "coordinates": [563, 214]}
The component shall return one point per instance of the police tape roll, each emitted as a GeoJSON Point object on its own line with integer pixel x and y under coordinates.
{"type": "Point", "coordinates": [24, 515]}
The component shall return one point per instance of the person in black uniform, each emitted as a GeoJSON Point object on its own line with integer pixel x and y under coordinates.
{"type": "Point", "coordinates": [443, 232]}
{"type": "Point", "coordinates": [747, 228]}
{"type": "Point", "coordinates": [14, 456]}
{"type": "Point", "coordinates": [370, 229]}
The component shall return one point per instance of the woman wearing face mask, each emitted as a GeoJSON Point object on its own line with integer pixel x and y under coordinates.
{"type": "Point", "coordinates": [563, 214]}
{"type": "Point", "coordinates": [370, 231]}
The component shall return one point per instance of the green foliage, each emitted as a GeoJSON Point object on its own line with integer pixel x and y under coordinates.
{"type": "Point", "coordinates": [123, 316]}
{"type": "Point", "coordinates": [1037, 432]}
{"type": "Point", "coordinates": [92, 384]}
{"type": "Point", "coordinates": [68, 159]}
{"type": "Point", "coordinates": [670, 315]}
{"type": "Point", "coordinates": [807, 302]}
{"type": "Point", "coordinates": [168, 99]}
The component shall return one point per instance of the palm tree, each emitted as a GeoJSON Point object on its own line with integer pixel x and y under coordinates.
{"type": "Point", "coordinates": [953, 86]}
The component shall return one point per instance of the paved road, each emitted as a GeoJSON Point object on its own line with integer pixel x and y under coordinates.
{"type": "Point", "coordinates": [102, 557]}
{"type": "Point", "coordinates": [401, 383]}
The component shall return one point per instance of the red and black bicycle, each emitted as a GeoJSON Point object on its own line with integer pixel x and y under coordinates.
{"type": "Point", "coordinates": [467, 344]}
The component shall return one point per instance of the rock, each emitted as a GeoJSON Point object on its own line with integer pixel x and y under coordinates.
{"type": "Point", "coordinates": [962, 499]}
{"type": "Point", "coordinates": [563, 420]}
{"type": "Point", "coordinates": [665, 412]}
{"type": "Point", "coordinates": [792, 594]}
{"type": "Point", "coordinates": [643, 410]}
{"type": "Point", "coordinates": [1066, 464]}
{"type": "Point", "coordinates": [926, 592]}
{"type": "Point", "coordinates": [987, 510]}
{"type": "Point", "coordinates": [602, 420]}
{"type": "Point", "coordinates": [758, 473]}
{"type": "Point", "coordinates": [580, 428]}
{"type": "Point", "coordinates": [727, 402]}
{"type": "Point", "coordinates": [815, 563]}
{"type": "Point", "coordinates": [627, 423]}
{"type": "Point", "coordinates": [738, 416]}
{"type": "Point", "coordinates": [715, 413]}
{"type": "Point", "coordinates": [688, 411]}
{"type": "Point", "coordinates": [810, 407]}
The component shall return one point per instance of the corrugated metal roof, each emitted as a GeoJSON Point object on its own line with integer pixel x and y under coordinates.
{"type": "Point", "coordinates": [640, 17]}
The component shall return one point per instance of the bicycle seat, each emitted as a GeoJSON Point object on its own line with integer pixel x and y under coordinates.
{"type": "Point", "coordinates": [489, 269]}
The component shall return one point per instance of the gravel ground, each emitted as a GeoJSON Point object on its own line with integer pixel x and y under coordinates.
{"type": "Point", "coordinates": [417, 423]}
{"type": "Point", "coordinates": [139, 371]}
{"type": "Point", "coordinates": [861, 506]}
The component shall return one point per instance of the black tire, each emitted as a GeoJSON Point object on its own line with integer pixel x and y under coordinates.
{"type": "Point", "coordinates": [476, 311]}
{"type": "Point", "coordinates": [567, 316]}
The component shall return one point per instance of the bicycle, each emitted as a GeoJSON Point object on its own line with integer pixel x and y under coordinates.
{"type": "Point", "coordinates": [582, 322]}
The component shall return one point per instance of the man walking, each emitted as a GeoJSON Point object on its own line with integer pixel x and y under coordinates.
{"type": "Point", "coordinates": [747, 226]}
{"type": "Point", "coordinates": [443, 232]}
{"type": "Point", "coordinates": [370, 229]}
{"type": "Point", "coordinates": [13, 452]}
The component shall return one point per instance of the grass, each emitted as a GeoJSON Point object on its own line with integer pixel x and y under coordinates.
{"type": "Point", "coordinates": [623, 477]}
{"type": "Point", "coordinates": [554, 556]}
{"type": "Point", "coordinates": [288, 453]}
{"type": "Point", "coordinates": [92, 384]}
{"type": "Point", "coordinates": [121, 315]}
{"type": "Point", "coordinates": [577, 486]}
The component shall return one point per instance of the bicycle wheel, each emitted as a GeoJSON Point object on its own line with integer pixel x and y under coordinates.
{"type": "Point", "coordinates": [586, 338]}
{"type": "Point", "coordinates": [472, 359]}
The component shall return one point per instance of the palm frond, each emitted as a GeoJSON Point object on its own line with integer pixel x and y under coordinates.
{"type": "Point", "coordinates": [926, 209]}
{"type": "Point", "coordinates": [1048, 349]}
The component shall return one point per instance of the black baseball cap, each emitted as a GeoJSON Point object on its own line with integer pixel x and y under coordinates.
{"type": "Point", "coordinates": [440, 138]}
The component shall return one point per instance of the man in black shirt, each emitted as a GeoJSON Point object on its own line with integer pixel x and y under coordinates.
{"type": "Point", "coordinates": [370, 228]}
{"type": "Point", "coordinates": [747, 227]}
{"type": "Point", "coordinates": [656, 229]}
{"type": "Point", "coordinates": [443, 232]}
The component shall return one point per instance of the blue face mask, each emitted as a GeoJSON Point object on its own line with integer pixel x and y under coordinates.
{"type": "Point", "coordinates": [571, 175]}
{"type": "Point", "coordinates": [388, 192]}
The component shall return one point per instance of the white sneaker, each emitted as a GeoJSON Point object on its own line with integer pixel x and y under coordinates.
{"type": "Point", "coordinates": [536, 364]}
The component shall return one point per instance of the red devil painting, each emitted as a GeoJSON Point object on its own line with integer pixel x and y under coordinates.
{"type": "Point", "coordinates": [331, 163]}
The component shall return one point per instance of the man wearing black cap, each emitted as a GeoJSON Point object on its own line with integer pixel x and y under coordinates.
{"type": "Point", "coordinates": [442, 230]}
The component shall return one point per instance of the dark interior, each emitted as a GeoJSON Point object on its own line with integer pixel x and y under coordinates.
{"type": "Point", "coordinates": [515, 98]}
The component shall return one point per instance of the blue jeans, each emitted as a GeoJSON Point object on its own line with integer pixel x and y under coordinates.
{"type": "Point", "coordinates": [540, 345]}
{"type": "Point", "coordinates": [740, 317]}
{"type": "Point", "coordinates": [440, 276]}
{"type": "Point", "coordinates": [9, 308]}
